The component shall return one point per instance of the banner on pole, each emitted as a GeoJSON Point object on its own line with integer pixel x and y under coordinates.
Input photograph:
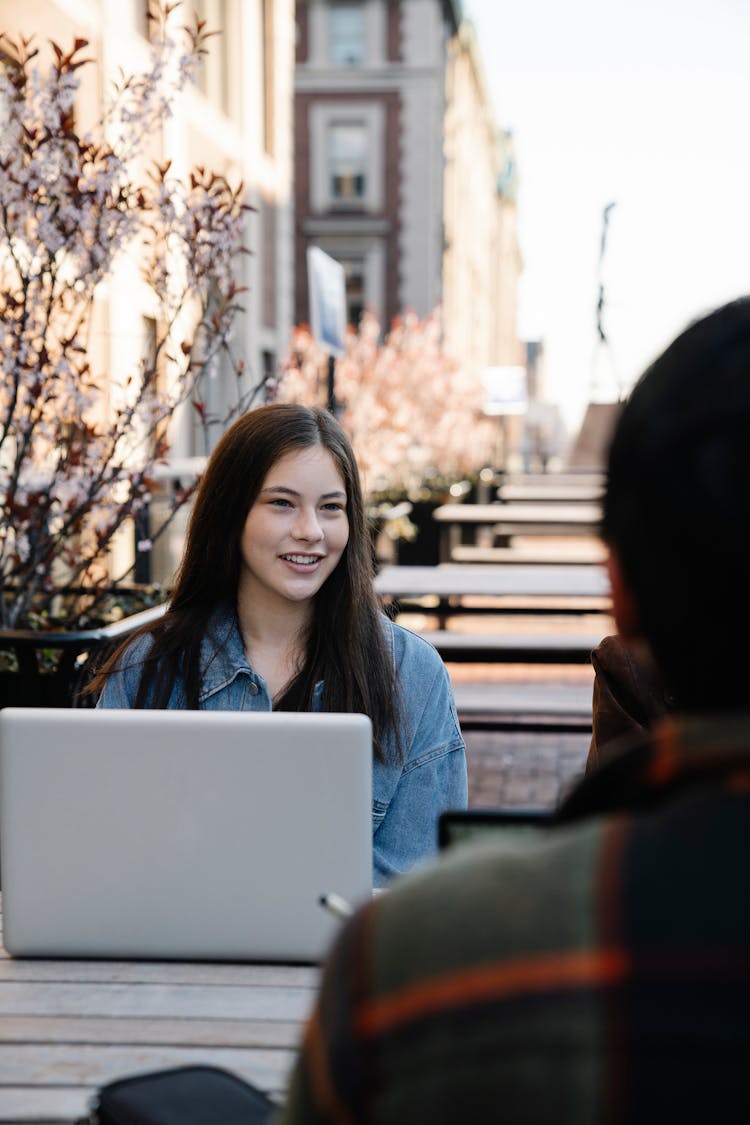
{"type": "Point", "coordinates": [327, 286]}
{"type": "Point", "coordinates": [505, 390]}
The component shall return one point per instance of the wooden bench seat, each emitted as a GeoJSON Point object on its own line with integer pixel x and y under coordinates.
{"type": "Point", "coordinates": [529, 707]}
{"type": "Point", "coordinates": [550, 493]}
{"type": "Point", "coordinates": [513, 648]}
{"type": "Point", "coordinates": [572, 553]}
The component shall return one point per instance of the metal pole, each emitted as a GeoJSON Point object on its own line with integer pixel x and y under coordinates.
{"type": "Point", "coordinates": [332, 404]}
{"type": "Point", "coordinates": [142, 532]}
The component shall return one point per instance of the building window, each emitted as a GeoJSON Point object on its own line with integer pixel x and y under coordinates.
{"type": "Point", "coordinates": [347, 161]}
{"type": "Point", "coordinates": [354, 275]}
{"type": "Point", "coordinates": [347, 34]}
{"type": "Point", "coordinates": [268, 363]}
{"type": "Point", "coordinates": [347, 153]}
{"type": "Point", "coordinates": [216, 75]}
{"type": "Point", "coordinates": [268, 239]}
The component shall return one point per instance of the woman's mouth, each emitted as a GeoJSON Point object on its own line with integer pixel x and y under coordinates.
{"type": "Point", "coordinates": [306, 561]}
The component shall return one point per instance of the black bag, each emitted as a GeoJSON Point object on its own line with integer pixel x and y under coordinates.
{"type": "Point", "coordinates": [186, 1095]}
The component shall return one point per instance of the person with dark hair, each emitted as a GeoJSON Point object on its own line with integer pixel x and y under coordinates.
{"type": "Point", "coordinates": [274, 607]}
{"type": "Point", "coordinates": [596, 969]}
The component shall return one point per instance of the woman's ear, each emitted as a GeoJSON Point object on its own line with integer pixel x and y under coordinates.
{"type": "Point", "coordinates": [624, 608]}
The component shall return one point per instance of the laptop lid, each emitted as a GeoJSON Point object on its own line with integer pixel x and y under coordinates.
{"type": "Point", "coordinates": [181, 834]}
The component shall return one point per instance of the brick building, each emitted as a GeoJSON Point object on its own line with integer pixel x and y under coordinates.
{"type": "Point", "coordinates": [400, 171]}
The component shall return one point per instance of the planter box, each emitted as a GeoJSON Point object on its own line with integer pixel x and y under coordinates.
{"type": "Point", "coordinates": [52, 668]}
{"type": "Point", "coordinates": [425, 549]}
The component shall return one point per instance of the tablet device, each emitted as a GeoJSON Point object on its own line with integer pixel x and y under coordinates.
{"type": "Point", "coordinates": [467, 826]}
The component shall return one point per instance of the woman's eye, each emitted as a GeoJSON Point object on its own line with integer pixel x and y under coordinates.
{"type": "Point", "coordinates": [333, 507]}
{"type": "Point", "coordinates": [280, 502]}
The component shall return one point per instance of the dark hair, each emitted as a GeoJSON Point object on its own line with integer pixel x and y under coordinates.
{"type": "Point", "coordinates": [347, 646]}
{"type": "Point", "coordinates": [677, 508]}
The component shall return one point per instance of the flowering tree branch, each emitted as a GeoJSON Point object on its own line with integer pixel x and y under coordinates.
{"type": "Point", "coordinates": [413, 412]}
{"type": "Point", "coordinates": [78, 446]}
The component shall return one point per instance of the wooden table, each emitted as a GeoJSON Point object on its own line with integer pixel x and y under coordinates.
{"type": "Point", "coordinates": [497, 525]}
{"type": "Point", "coordinates": [524, 707]}
{"type": "Point", "coordinates": [67, 1027]}
{"type": "Point", "coordinates": [579, 551]}
{"type": "Point", "coordinates": [563, 478]}
{"type": "Point", "coordinates": [574, 588]}
{"type": "Point", "coordinates": [514, 647]}
{"type": "Point", "coordinates": [549, 493]}
{"type": "Point", "coordinates": [507, 520]}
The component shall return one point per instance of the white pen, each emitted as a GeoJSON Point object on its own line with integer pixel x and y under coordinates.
{"type": "Point", "coordinates": [336, 905]}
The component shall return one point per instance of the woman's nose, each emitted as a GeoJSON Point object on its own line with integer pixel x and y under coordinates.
{"type": "Point", "coordinates": [306, 525]}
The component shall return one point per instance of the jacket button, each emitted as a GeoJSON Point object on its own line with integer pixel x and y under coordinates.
{"type": "Point", "coordinates": [254, 689]}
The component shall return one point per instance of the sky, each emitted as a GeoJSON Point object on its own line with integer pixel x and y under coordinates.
{"type": "Point", "coordinates": [640, 103]}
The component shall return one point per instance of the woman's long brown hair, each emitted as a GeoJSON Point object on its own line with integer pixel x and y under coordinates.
{"type": "Point", "coordinates": [346, 648]}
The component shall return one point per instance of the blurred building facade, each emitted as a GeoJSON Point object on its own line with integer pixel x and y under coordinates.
{"type": "Point", "coordinates": [401, 173]}
{"type": "Point", "coordinates": [481, 259]}
{"type": "Point", "coordinates": [236, 121]}
{"type": "Point", "coordinates": [374, 139]}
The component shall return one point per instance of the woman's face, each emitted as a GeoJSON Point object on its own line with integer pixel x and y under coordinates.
{"type": "Point", "coordinates": [296, 530]}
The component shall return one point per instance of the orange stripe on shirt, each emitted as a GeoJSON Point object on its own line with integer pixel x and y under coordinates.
{"type": "Point", "coordinates": [665, 762]}
{"type": "Point", "coordinates": [319, 1075]}
{"type": "Point", "coordinates": [492, 982]}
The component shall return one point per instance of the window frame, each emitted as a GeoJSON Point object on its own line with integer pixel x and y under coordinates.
{"type": "Point", "coordinates": [335, 12]}
{"type": "Point", "coordinates": [370, 115]}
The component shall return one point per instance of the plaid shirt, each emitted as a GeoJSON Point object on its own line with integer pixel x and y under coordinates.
{"type": "Point", "coordinates": [599, 972]}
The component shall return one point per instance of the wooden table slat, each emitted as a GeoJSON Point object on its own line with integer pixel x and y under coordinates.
{"type": "Point", "coordinates": [236, 974]}
{"type": "Point", "coordinates": [577, 552]}
{"type": "Point", "coordinates": [523, 699]}
{"type": "Point", "coordinates": [564, 581]}
{"type": "Point", "coordinates": [72, 1064]}
{"type": "Point", "coordinates": [571, 515]}
{"type": "Point", "coordinates": [113, 1031]}
{"type": "Point", "coordinates": [69, 1026]}
{"type": "Point", "coordinates": [550, 493]}
{"type": "Point", "coordinates": [513, 648]}
{"type": "Point", "coordinates": [43, 1105]}
{"type": "Point", "coordinates": [153, 1000]}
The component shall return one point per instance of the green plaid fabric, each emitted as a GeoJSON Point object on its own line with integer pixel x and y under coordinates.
{"type": "Point", "coordinates": [597, 971]}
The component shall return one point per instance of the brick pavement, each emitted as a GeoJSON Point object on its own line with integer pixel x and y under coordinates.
{"type": "Point", "coordinates": [522, 770]}
{"type": "Point", "coordinates": [519, 768]}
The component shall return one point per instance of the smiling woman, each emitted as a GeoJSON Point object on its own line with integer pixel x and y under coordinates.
{"type": "Point", "coordinates": [274, 608]}
{"type": "Point", "coordinates": [294, 536]}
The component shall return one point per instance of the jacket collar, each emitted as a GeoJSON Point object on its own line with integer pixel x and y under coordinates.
{"type": "Point", "coordinates": [223, 655]}
{"type": "Point", "coordinates": [222, 652]}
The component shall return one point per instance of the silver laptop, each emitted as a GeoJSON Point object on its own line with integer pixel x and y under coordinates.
{"type": "Point", "coordinates": [181, 834]}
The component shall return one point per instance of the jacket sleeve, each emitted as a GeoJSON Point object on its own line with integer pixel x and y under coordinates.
{"type": "Point", "coordinates": [432, 775]}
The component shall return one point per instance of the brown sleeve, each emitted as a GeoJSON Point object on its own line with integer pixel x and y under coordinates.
{"type": "Point", "coordinates": [627, 697]}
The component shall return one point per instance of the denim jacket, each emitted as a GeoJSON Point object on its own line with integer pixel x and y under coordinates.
{"type": "Point", "coordinates": [407, 795]}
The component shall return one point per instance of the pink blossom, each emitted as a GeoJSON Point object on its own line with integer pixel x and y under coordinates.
{"type": "Point", "coordinates": [411, 410]}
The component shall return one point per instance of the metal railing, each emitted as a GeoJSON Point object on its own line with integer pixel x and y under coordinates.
{"type": "Point", "coordinates": [60, 684]}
